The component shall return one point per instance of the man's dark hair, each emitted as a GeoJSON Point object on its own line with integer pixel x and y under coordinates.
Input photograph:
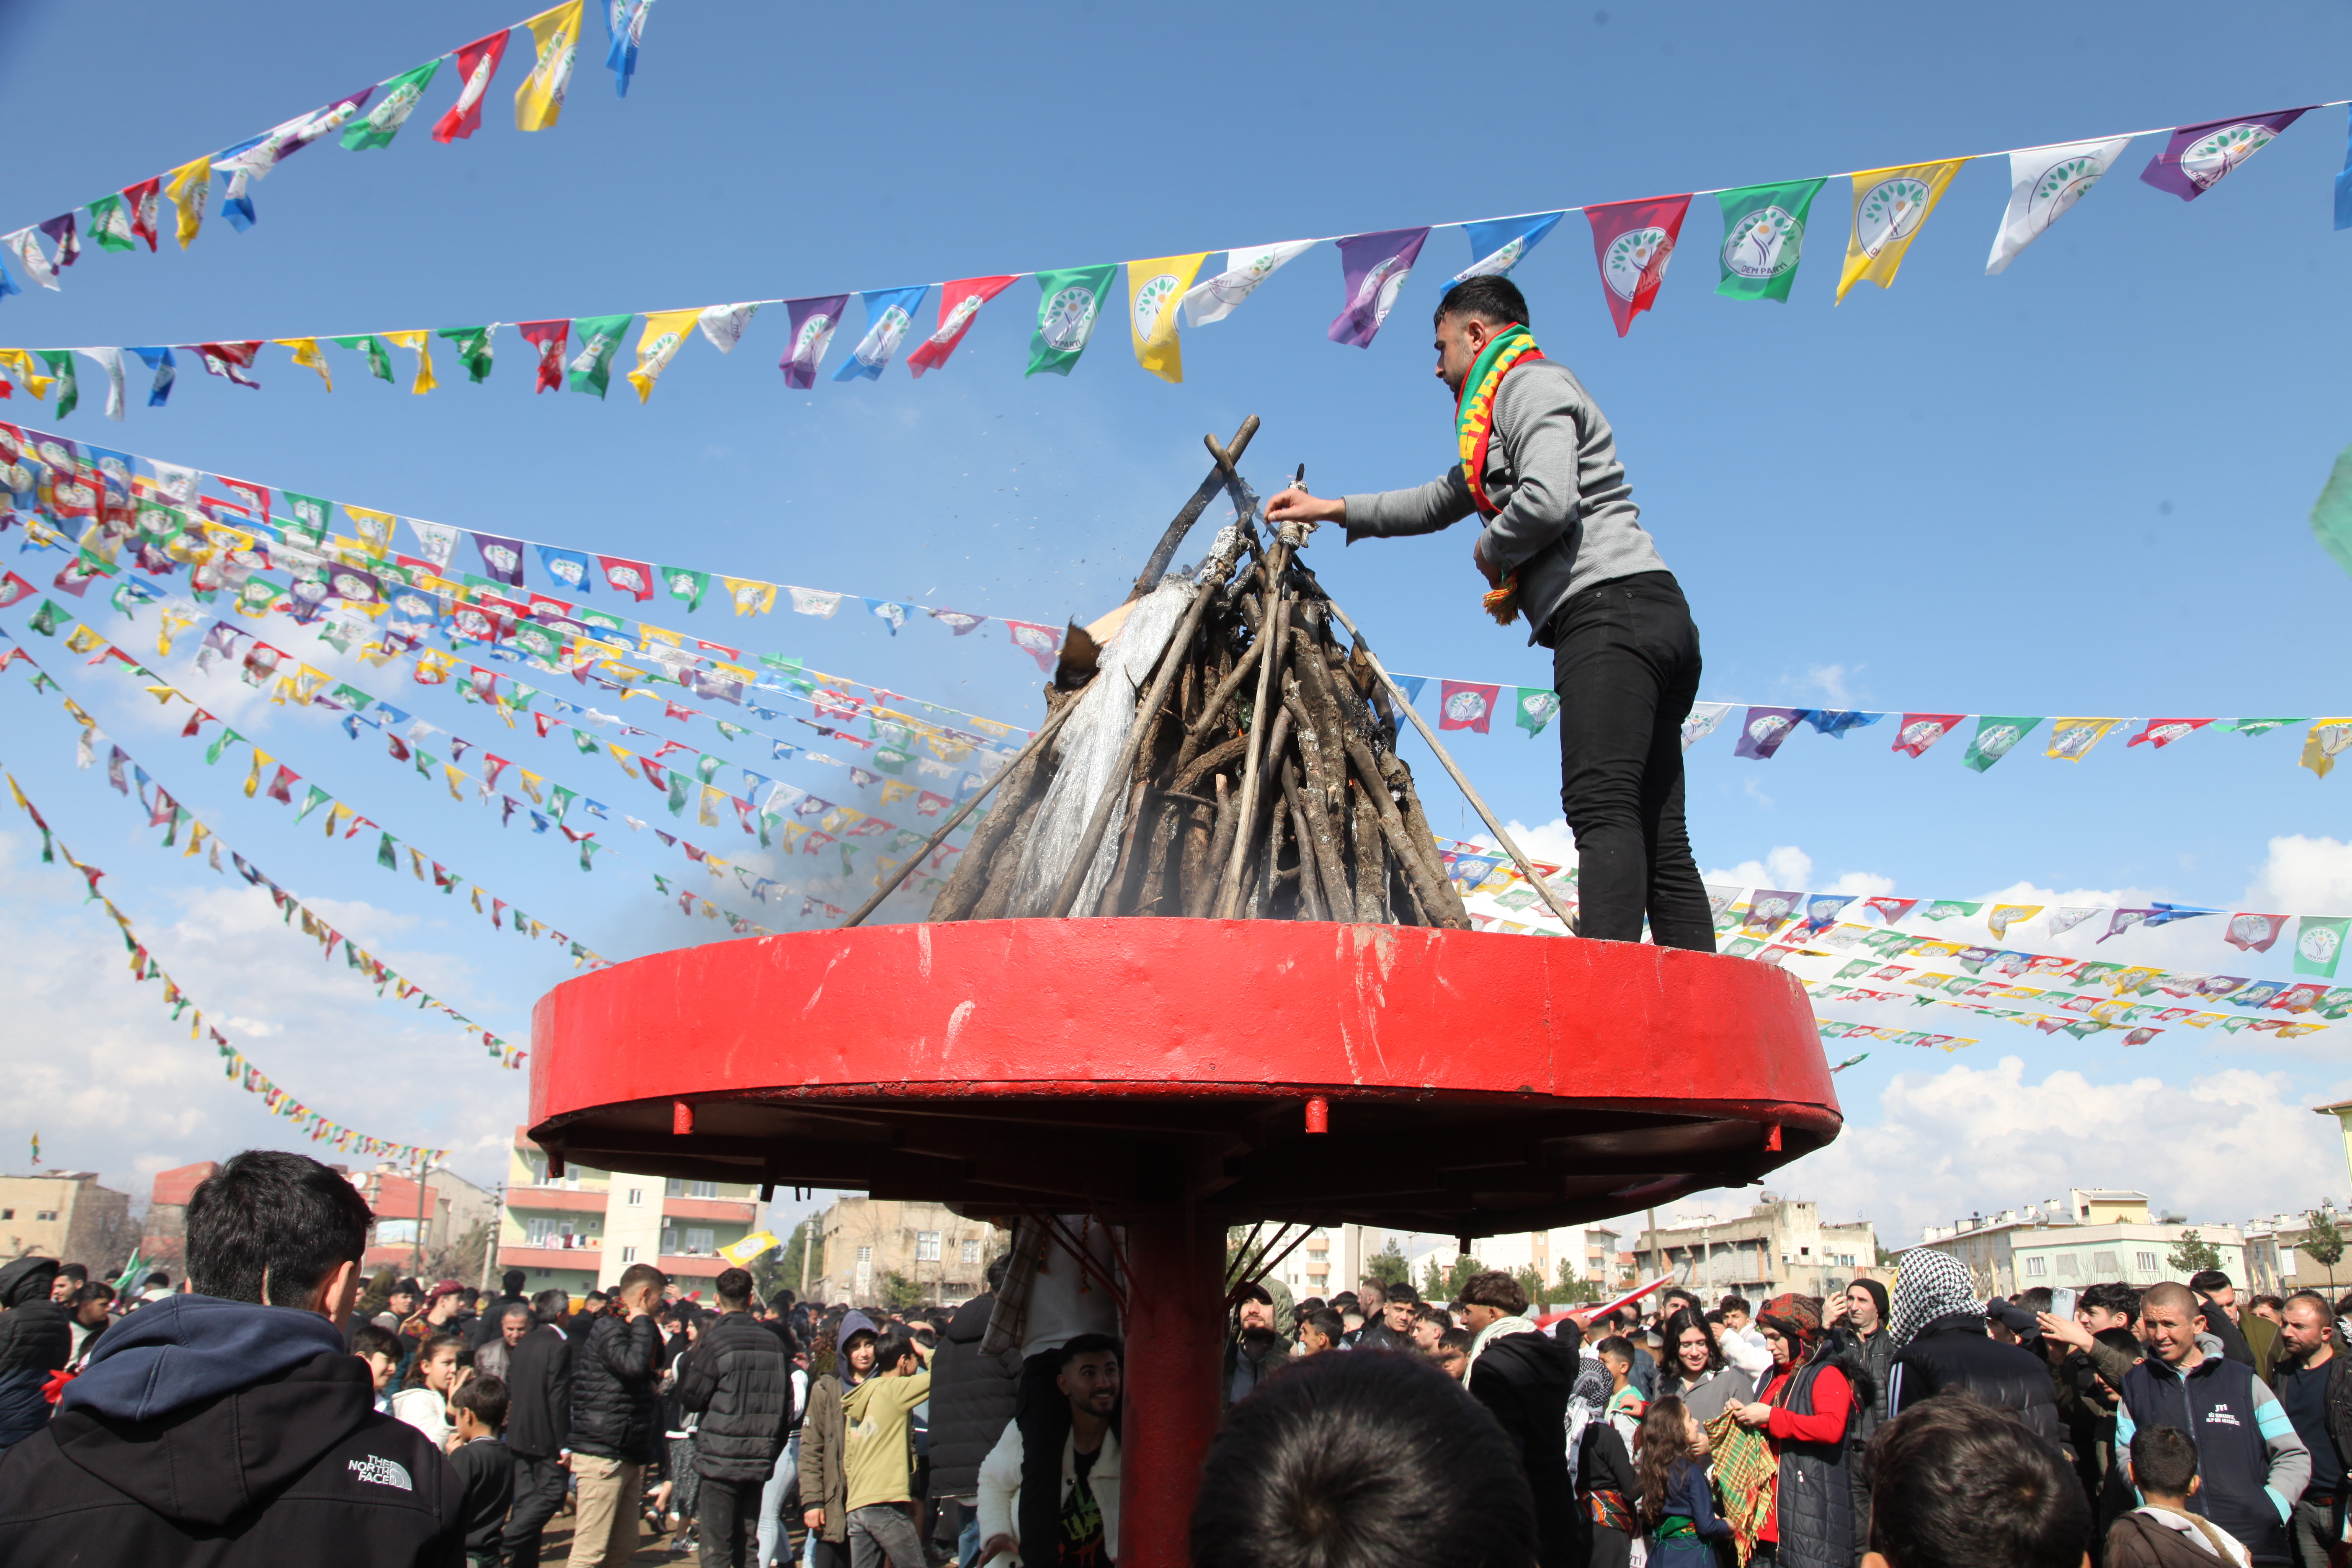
{"type": "Point", "coordinates": [1350, 1461]}
{"type": "Point", "coordinates": [2163, 1460]}
{"type": "Point", "coordinates": [95, 1290]}
{"type": "Point", "coordinates": [1495, 299]}
{"type": "Point", "coordinates": [998, 1267]}
{"type": "Point", "coordinates": [734, 1287]}
{"type": "Point", "coordinates": [2036, 1300]}
{"type": "Point", "coordinates": [2122, 1340]}
{"type": "Point", "coordinates": [892, 1349]}
{"type": "Point", "coordinates": [1734, 1304]}
{"type": "Point", "coordinates": [374, 1338]}
{"type": "Point", "coordinates": [512, 1281]}
{"type": "Point", "coordinates": [2205, 1281]}
{"type": "Point", "coordinates": [1497, 1290]}
{"type": "Point", "coordinates": [551, 1306]}
{"type": "Point", "coordinates": [2276, 1304]}
{"type": "Point", "coordinates": [1346, 1301]}
{"type": "Point", "coordinates": [268, 1227]}
{"type": "Point", "coordinates": [1326, 1322]}
{"type": "Point", "coordinates": [637, 1274]}
{"type": "Point", "coordinates": [485, 1396]}
{"type": "Point", "coordinates": [1085, 1344]}
{"type": "Point", "coordinates": [1679, 1294]}
{"type": "Point", "coordinates": [2318, 1303]}
{"type": "Point", "coordinates": [593, 1300]}
{"type": "Point", "coordinates": [2112, 1297]}
{"type": "Point", "coordinates": [1400, 1291]}
{"type": "Point", "coordinates": [77, 1272]}
{"type": "Point", "coordinates": [1455, 1339]}
{"type": "Point", "coordinates": [1426, 1312]}
{"type": "Point", "coordinates": [1617, 1345]}
{"type": "Point", "coordinates": [157, 1280]}
{"type": "Point", "coordinates": [1977, 1487]}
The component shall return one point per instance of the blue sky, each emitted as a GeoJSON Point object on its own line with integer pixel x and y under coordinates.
{"type": "Point", "coordinates": [2078, 487]}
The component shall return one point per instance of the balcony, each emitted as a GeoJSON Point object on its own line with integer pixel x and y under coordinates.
{"type": "Point", "coordinates": [556, 1200]}
{"type": "Point", "coordinates": [724, 1211]}
{"type": "Point", "coordinates": [581, 1254]}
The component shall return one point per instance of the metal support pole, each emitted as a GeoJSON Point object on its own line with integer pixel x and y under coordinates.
{"type": "Point", "coordinates": [1175, 1337]}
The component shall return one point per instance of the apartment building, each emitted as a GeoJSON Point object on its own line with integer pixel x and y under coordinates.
{"type": "Point", "coordinates": [419, 1227]}
{"type": "Point", "coordinates": [1779, 1245]}
{"type": "Point", "coordinates": [939, 1254]}
{"type": "Point", "coordinates": [578, 1231]}
{"type": "Point", "coordinates": [67, 1216]}
{"type": "Point", "coordinates": [2092, 1236]}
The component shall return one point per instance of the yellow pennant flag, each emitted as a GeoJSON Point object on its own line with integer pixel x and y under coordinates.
{"type": "Point", "coordinates": [665, 334]}
{"type": "Point", "coordinates": [307, 355]}
{"type": "Point", "coordinates": [19, 364]}
{"type": "Point", "coordinates": [1889, 208]}
{"type": "Point", "coordinates": [373, 528]}
{"type": "Point", "coordinates": [749, 597]}
{"type": "Point", "coordinates": [740, 1253]}
{"type": "Point", "coordinates": [555, 35]}
{"type": "Point", "coordinates": [189, 186]}
{"type": "Point", "coordinates": [81, 639]}
{"type": "Point", "coordinates": [423, 343]}
{"type": "Point", "coordinates": [261, 760]}
{"type": "Point", "coordinates": [2071, 740]}
{"type": "Point", "coordinates": [1154, 290]}
{"type": "Point", "coordinates": [2321, 745]}
{"type": "Point", "coordinates": [711, 796]}
{"type": "Point", "coordinates": [453, 775]}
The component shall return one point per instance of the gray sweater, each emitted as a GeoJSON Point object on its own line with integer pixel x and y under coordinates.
{"type": "Point", "coordinates": [1567, 519]}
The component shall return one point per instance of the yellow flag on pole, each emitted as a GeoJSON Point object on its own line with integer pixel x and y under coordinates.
{"type": "Point", "coordinates": [1890, 205]}
{"type": "Point", "coordinates": [664, 335]}
{"type": "Point", "coordinates": [555, 35]}
{"type": "Point", "coordinates": [740, 1253]}
{"type": "Point", "coordinates": [1154, 290]}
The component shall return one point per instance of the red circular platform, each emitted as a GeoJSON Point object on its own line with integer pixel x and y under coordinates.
{"type": "Point", "coordinates": [1477, 1083]}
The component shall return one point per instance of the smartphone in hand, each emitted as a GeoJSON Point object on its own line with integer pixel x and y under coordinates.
{"type": "Point", "coordinates": [2062, 1301]}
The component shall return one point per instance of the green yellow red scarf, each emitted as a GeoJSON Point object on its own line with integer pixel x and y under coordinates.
{"type": "Point", "coordinates": [1474, 420]}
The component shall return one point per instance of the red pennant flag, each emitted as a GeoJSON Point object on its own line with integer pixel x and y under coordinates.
{"type": "Point", "coordinates": [196, 722]}
{"type": "Point", "coordinates": [1890, 909]}
{"type": "Point", "coordinates": [2161, 732]}
{"type": "Point", "coordinates": [13, 588]}
{"type": "Point", "coordinates": [478, 62]}
{"type": "Point", "coordinates": [143, 199]}
{"type": "Point", "coordinates": [959, 302]}
{"type": "Point", "coordinates": [1633, 241]}
{"type": "Point", "coordinates": [1921, 730]}
{"type": "Point", "coordinates": [635, 578]}
{"type": "Point", "coordinates": [1461, 705]}
{"type": "Point", "coordinates": [548, 338]}
{"type": "Point", "coordinates": [231, 360]}
{"type": "Point", "coordinates": [285, 779]}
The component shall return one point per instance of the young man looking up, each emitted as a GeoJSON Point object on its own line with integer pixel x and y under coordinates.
{"type": "Point", "coordinates": [1083, 1519]}
{"type": "Point", "coordinates": [1562, 543]}
{"type": "Point", "coordinates": [232, 1425]}
{"type": "Point", "coordinates": [614, 1369]}
{"type": "Point", "coordinates": [875, 1454]}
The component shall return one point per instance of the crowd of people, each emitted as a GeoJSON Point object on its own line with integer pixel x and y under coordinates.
{"type": "Point", "coordinates": [278, 1408]}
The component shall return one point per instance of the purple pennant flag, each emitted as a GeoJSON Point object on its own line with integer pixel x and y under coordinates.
{"type": "Point", "coordinates": [813, 322]}
{"type": "Point", "coordinates": [1374, 267]}
{"type": "Point", "coordinates": [1761, 733]}
{"type": "Point", "coordinates": [2197, 157]}
{"type": "Point", "coordinates": [501, 558]}
{"type": "Point", "coordinates": [61, 231]}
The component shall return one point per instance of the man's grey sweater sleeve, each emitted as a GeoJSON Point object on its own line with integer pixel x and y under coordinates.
{"type": "Point", "coordinates": [1424, 509]}
{"type": "Point", "coordinates": [1538, 416]}
{"type": "Point", "coordinates": [2290, 1460]}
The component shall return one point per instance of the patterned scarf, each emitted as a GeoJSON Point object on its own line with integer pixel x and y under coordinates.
{"type": "Point", "coordinates": [1474, 423]}
{"type": "Point", "coordinates": [1798, 1320]}
{"type": "Point", "coordinates": [1930, 1285]}
{"type": "Point", "coordinates": [1747, 1473]}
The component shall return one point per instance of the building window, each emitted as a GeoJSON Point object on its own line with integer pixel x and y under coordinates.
{"type": "Point", "coordinates": [636, 1197]}
{"type": "Point", "coordinates": [701, 1243]}
{"type": "Point", "coordinates": [628, 1255]}
{"type": "Point", "coordinates": [864, 1255]}
{"type": "Point", "coordinates": [7, 1214]}
{"type": "Point", "coordinates": [670, 1239]}
{"type": "Point", "coordinates": [1318, 1255]}
{"type": "Point", "coordinates": [2104, 1265]}
{"type": "Point", "coordinates": [49, 1215]}
{"type": "Point", "coordinates": [679, 1188]}
{"type": "Point", "coordinates": [2069, 1266]}
{"type": "Point", "coordinates": [2148, 1263]}
{"type": "Point", "coordinates": [2035, 1267]}
{"type": "Point", "coordinates": [926, 1246]}
{"type": "Point", "coordinates": [971, 1253]}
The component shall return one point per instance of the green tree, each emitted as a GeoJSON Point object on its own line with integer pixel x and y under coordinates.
{"type": "Point", "coordinates": [1572, 1289]}
{"type": "Point", "coordinates": [2193, 1253]}
{"type": "Point", "coordinates": [1459, 1276]}
{"type": "Point", "coordinates": [783, 1265]}
{"type": "Point", "coordinates": [1388, 1265]}
{"type": "Point", "coordinates": [1433, 1283]}
{"type": "Point", "coordinates": [897, 1293]}
{"type": "Point", "coordinates": [2325, 1243]}
{"type": "Point", "coordinates": [1531, 1282]}
{"type": "Point", "coordinates": [1887, 1259]}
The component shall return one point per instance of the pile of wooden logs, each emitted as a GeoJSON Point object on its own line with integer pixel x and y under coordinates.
{"type": "Point", "coordinates": [1259, 778]}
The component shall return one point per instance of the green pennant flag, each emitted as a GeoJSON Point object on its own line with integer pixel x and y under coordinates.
{"type": "Point", "coordinates": [338, 635]}
{"type": "Point", "coordinates": [61, 365]}
{"type": "Point", "coordinates": [585, 742]}
{"type": "Point", "coordinates": [41, 683]}
{"type": "Point", "coordinates": [221, 742]}
{"type": "Point", "coordinates": [1995, 738]}
{"type": "Point", "coordinates": [659, 883]}
{"type": "Point", "coordinates": [46, 619]}
{"type": "Point", "coordinates": [1069, 303]}
{"type": "Point", "coordinates": [312, 800]}
{"type": "Point", "coordinates": [110, 224]}
{"type": "Point", "coordinates": [378, 125]}
{"type": "Point", "coordinates": [685, 584]}
{"type": "Point", "coordinates": [563, 799]}
{"type": "Point", "coordinates": [586, 847]}
{"type": "Point", "coordinates": [2319, 944]}
{"type": "Point", "coordinates": [707, 766]}
{"type": "Point", "coordinates": [591, 369]}
{"type": "Point", "coordinates": [351, 697]}
{"type": "Point", "coordinates": [127, 599]}
{"type": "Point", "coordinates": [732, 732]}
{"type": "Point", "coordinates": [1537, 707]}
{"type": "Point", "coordinates": [1946, 908]}
{"type": "Point", "coordinates": [308, 518]}
{"type": "Point", "coordinates": [385, 856]}
{"type": "Point", "coordinates": [890, 759]}
{"type": "Point", "coordinates": [2257, 726]}
{"type": "Point", "coordinates": [379, 355]}
{"type": "Point", "coordinates": [677, 792]}
{"type": "Point", "coordinates": [474, 347]}
{"type": "Point", "coordinates": [171, 828]}
{"type": "Point", "coordinates": [1763, 233]}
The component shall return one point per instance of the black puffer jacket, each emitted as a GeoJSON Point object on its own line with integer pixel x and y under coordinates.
{"type": "Point", "coordinates": [35, 1340]}
{"type": "Point", "coordinates": [738, 1379]}
{"type": "Point", "coordinates": [1524, 1379]}
{"type": "Point", "coordinates": [614, 1371]}
{"type": "Point", "coordinates": [1954, 1351]}
{"type": "Point", "coordinates": [972, 1399]}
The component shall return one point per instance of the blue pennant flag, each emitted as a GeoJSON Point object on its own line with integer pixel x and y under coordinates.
{"type": "Point", "coordinates": [167, 371]}
{"type": "Point", "coordinates": [624, 25]}
{"type": "Point", "coordinates": [1410, 686]}
{"type": "Point", "coordinates": [890, 312]}
{"type": "Point", "coordinates": [1498, 246]}
{"type": "Point", "coordinates": [569, 567]}
{"type": "Point", "coordinates": [1834, 723]}
{"type": "Point", "coordinates": [2343, 197]}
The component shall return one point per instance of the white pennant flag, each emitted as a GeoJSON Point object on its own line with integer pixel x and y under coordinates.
{"type": "Point", "coordinates": [434, 541]}
{"type": "Point", "coordinates": [176, 484]}
{"type": "Point", "coordinates": [1247, 267]}
{"type": "Point", "coordinates": [2043, 183]}
{"type": "Point", "coordinates": [110, 362]}
{"type": "Point", "coordinates": [26, 250]}
{"type": "Point", "coordinates": [724, 324]}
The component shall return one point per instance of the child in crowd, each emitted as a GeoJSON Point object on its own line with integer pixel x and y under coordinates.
{"type": "Point", "coordinates": [477, 1412]}
{"type": "Point", "coordinates": [1453, 1353]}
{"type": "Point", "coordinates": [425, 1402]}
{"type": "Point", "coordinates": [2163, 1534]}
{"type": "Point", "coordinates": [379, 1348]}
{"type": "Point", "coordinates": [1975, 1488]}
{"type": "Point", "coordinates": [1625, 1402]}
{"type": "Point", "coordinates": [1677, 1502]}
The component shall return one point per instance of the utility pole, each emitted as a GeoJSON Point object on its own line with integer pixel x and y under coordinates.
{"type": "Point", "coordinates": [490, 1242]}
{"type": "Point", "coordinates": [808, 1240]}
{"type": "Point", "coordinates": [1657, 1253]}
{"type": "Point", "coordinates": [416, 1246]}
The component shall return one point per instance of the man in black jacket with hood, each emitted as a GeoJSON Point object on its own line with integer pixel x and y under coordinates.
{"type": "Point", "coordinates": [738, 1379]}
{"type": "Point", "coordinates": [1940, 1345]}
{"type": "Point", "coordinates": [35, 1340]}
{"type": "Point", "coordinates": [538, 1426]}
{"type": "Point", "coordinates": [1524, 1376]}
{"type": "Point", "coordinates": [232, 1425]}
{"type": "Point", "coordinates": [614, 1368]}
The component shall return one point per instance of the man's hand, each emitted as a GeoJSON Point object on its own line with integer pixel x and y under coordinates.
{"type": "Point", "coordinates": [1294, 505]}
{"type": "Point", "coordinates": [1836, 1310]}
{"type": "Point", "coordinates": [814, 1518]}
{"type": "Point", "coordinates": [1486, 569]}
{"type": "Point", "coordinates": [2065, 1331]}
{"type": "Point", "coordinates": [998, 1544]}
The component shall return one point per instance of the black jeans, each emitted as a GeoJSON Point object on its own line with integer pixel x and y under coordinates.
{"type": "Point", "coordinates": [728, 1520]}
{"type": "Point", "coordinates": [539, 1488]}
{"type": "Point", "coordinates": [1625, 662]}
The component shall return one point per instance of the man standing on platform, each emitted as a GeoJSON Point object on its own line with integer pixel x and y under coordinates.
{"type": "Point", "coordinates": [1563, 546]}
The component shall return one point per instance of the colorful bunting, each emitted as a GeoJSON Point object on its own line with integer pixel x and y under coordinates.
{"type": "Point", "coordinates": [890, 312]}
{"type": "Point", "coordinates": [1373, 267]}
{"type": "Point", "coordinates": [591, 370]}
{"type": "Point", "coordinates": [813, 323]}
{"type": "Point", "coordinates": [555, 40]}
{"type": "Point", "coordinates": [402, 94]}
{"type": "Point", "coordinates": [478, 62]}
{"type": "Point", "coordinates": [1632, 242]}
{"type": "Point", "coordinates": [2044, 182]}
{"type": "Point", "coordinates": [1069, 300]}
{"type": "Point", "coordinates": [1889, 207]}
{"type": "Point", "coordinates": [664, 333]}
{"type": "Point", "coordinates": [1154, 290]}
{"type": "Point", "coordinates": [2196, 158]}
{"type": "Point", "coordinates": [1500, 244]}
{"type": "Point", "coordinates": [959, 302]}
{"type": "Point", "coordinates": [1764, 238]}
{"type": "Point", "coordinates": [1247, 267]}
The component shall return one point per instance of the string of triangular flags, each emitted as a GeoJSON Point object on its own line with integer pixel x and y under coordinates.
{"type": "Point", "coordinates": [117, 221]}
{"type": "Point", "coordinates": [1763, 238]}
{"type": "Point", "coordinates": [1833, 1030]}
{"type": "Point", "coordinates": [1762, 732]}
{"type": "Point", "coordinates": [167, 516]}
{"type": "Point", "coordinates": [234, 1063]}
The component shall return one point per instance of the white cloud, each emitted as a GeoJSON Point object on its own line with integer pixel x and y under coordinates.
{"type": "Point", "coordinates": [2223, 1147]}
{"type": "Point", "coordinates": [1832, 679]}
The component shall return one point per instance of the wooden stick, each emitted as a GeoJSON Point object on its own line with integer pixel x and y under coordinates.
{"type": "Point", "coordinates": [1044, 732]}
{"type": "Point", "coordinates": [1461, 780]}
{"type": "Point", "coordinates": [1310, 886]}
{"type": "Point", "coordinates": [1275, 615]}
{"type": "Point", "coordinates": [1418, 873]}
{"type": "Point", "coordinates": [1315, 798]}
{"type": "Point", "coordinates": [1190, 513]}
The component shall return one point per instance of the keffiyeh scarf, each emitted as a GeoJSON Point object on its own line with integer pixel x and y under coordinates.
{"type": "Point", "coordinates": [1930, 1285]}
